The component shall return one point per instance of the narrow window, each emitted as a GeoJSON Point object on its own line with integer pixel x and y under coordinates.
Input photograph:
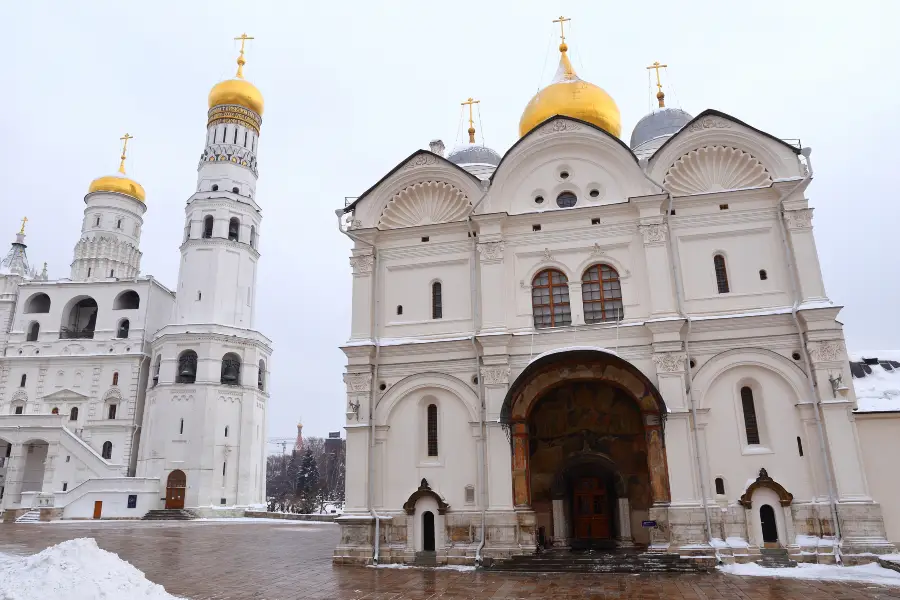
{"type": "Point", "coordinates": [437, 308]}
{"type": "Point", "coordinates": [601, 294]}
{"type": "Point", "coordinates": [234, 228]}
{"type": "Point", "coordinates": [224, 464]}
{"type": "Point", "coordinates": [399, 309]}
{"type": "Point", "coordinates": [253, 236]}
{"type": "Point", "coordinates": [107, 450]}
{"type": "Point", "coordinates": [119, 224]}
{"type": "Point", "coordinates": [156, 369]}
{"type": "Point", "coordinates": [181, 427]}
{"type": "Point", "coordinates": [720, 486]}
{"type": "Point", "coordinates": [261, 376]}
{"type": "Point", "coordinates": [199, 295]}
{"type": "Point", "coordinates": [245, 139]}
{"type": "Point", "coordinates": [112, 411]}
{"type": "Point", "coordinates": [208, 226]}
{"type": "Point", "coordinates": [73, 414]}
{"type": "Point", "coordinates": [97, 222]}
{"type": "Point", "coordinates": [550, 299]}
{"type": "Point", "coordinates": [215, 187]}
{"type": "Point", "coordinates": [226, 431]}
{"type": "Point", "coordinates": [65, 486]}
{"type": "Point", "coordinates": [721, 273]}
{"type": "Point", "coordinates": [432, 430]}
{"type": "Point", "coordinates": [799, 445]}
{"type": "Point", "coordinates": [89, 271]}
{"type": "Point", "coordinates": [124, 326]}
{"type": "Point", "coordinates": [22, 380]}
{"type": "Point", "coordinates": [763, 275]}
{"type": "Point", "coordinates": [19, 410]}
{"type": "Point", "coordinates": [750, 423]}
{"type": "Point", "coordinates": [33, 332]}
{"type": "Point", "coordinates": [115, 378]}
{"type": "Point", "coordinates": [112, 273]}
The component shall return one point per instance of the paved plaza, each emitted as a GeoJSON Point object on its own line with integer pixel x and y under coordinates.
{"type": "Point", "coordinates": [281, 561]}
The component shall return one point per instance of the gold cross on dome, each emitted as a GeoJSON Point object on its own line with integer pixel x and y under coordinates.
{"type": "Point", "coordinates": [562, 32]}
{"type": "Point", "coordinates": [657, 67]}
{"type": "Point", "coordinates": [470, 102]}
{"type": "Point", "coordinates": [243, 37]}
{"type": "Point", "coordinates": [124, 139]}
{"type": "Point", "coordinates": [240, 61]}
{"type": "Point", "coordinates": [24, 220]}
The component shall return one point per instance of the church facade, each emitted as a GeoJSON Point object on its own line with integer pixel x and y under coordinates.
{"type": "Point", "coordinates": [118, 395]}
{"type": "Point", "coordinates": [591, 344]}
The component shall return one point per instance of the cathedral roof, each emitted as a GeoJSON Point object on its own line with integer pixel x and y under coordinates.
{"type": "Point", "coordinates": [659, 123]}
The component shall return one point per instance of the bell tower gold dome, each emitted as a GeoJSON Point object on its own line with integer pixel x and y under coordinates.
{"type": "Point", "coordinates": [570, 96]}
{"type": "Point", "coordinates": [119, 183]}
{"type": "Point", "coordinates": [238, 90]}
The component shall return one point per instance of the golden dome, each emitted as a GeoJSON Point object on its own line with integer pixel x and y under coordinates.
{"type": "Point", "coordinates": [572, 97]}
{"type": "Point", "coordinates": [238, 90]}
{"type": "Point", "coordinates": [118, 183]}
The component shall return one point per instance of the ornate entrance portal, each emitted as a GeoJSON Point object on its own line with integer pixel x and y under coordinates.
{"type": "Point", "coordinates": [176, 485]}
{"type": "Point", "coordinates": [587, 448]}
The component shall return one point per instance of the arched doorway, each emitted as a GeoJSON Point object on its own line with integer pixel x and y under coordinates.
{"type": "Point", "coordinates": [176, 485]}
{"type": "Point", "coordinates": [428, 531]}
{"type": "Point", "coordinates": [587, 447]}
{"type": "Point", "coordinates": [769, 524]}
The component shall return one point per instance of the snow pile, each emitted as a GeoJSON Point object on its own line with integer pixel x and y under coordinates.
{"type": "Point", "coordinates": [878, 391]}
{"type": "Point", "coordinates": [731, 542]}
{"type": "Point", "coordinates": [75, 570]}
{"type": "Point", "coordinates": [870, 573]}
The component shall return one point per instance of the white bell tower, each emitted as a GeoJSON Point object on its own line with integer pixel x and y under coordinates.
{"type": "Point", "coordinates": [206, 416]}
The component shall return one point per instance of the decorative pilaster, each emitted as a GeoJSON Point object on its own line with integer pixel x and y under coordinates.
{"type": "Point", "coordinates": [493, 290]}
{"type": "Point", "coordinates": [560, 527]}
{"type": "Point", "coordinates": [363, 264]}
{"type": "Point", "coordinates": [521, 492]}
{"type": "Point", "coordinates": [359, 388]}
{"type": "Point", "coordinates": [624, 517]}
{"type": "Point", "coordinates": [803, 244]}
{"type": "Point", "coordinates": [576, 303]}
{"type": "Point", "coordinates": [655, 233]}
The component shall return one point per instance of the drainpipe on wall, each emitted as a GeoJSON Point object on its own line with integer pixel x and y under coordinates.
{"type": "Point", "coordinates": [475, 283]}
{"type": "Point", "coordinates": [370, 488]}
{"type": "Point", "coordinates": [817, 404]}
{"type": "Point", "coordinates": [679, 298]}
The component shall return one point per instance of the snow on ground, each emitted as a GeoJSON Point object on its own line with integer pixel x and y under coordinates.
{"type": "Point", "coordinates": [878, 391]}
{"type": "Point", "coordinates": [75, 570]}
{"type": "Point", "coordinates": [255, 520]}
{"type": "Point", "coordinates": [870, 573]}
{"type": "Point", "coordinates": [441, 568]}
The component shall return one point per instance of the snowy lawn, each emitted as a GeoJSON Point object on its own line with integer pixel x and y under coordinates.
{"type": "Point", "coordinates": [75, 570]}
{"type": "Point", "coordinates": [870, 573]}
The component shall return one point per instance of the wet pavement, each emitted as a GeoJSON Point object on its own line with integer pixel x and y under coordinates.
{"type": "Point", "coordinates": [282, 561]}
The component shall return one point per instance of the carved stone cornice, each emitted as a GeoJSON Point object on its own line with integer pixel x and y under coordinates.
{"type": "Point", "coordinates": [559, 126]}
{"type": "Point", "coordinates": [491, 252]}
{"type": "Point", "coordinates": [654, 233]}
{"type": "Point", "coordinates": [206, 242]}
{"type": "Point", "coordinates": [828, 351]}
{"type": "Point", "coordinates": [421, 160]}
{"type": "Point", "coordinates": [358, 382]}
{"type": "Point", "coordinates": [708, 123]}
{"type": "Point", "coordinates": [799, 219]}
{"type": "Point", "coordinates": [495, 375]}
{"type": "Point", "coordinates": [362, 264]}
{"type": "Point", "coordinates": [669, 362]}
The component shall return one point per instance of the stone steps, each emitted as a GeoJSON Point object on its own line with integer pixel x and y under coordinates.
{"type": "Point", "coordinates": [32, 516]}
{"type": "Point", "coordinates": [426, 559]}
{"type": "Point", "coordinates": [599, 562]}
{"type": "Point", "coordinates": [775, 558]}
{"type": "Point", "coordinates": [169, 514]}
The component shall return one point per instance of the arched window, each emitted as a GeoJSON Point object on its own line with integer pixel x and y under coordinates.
{"type": "Point", "coordinates": [111, 411]}
{"type": "Point", "coordinates": [253, 236]}
{"type": "Point", "coordinates": [550, 299]}
{"type": "Point", "coordinates": [127, 300]}
{"type": "Point", "coordinates": [181, 427]}
{"type": "Point", "coordinates": [187, 367]}
{"type": "Point", "coordinates": [231, 369]}
{"type": "Point", "coordinates": [107, 450]}
{"type": "Point", "coordinates": [115, 378]}
{"type": "Point", "coordinates": [261, 376]}
{"type": "Point", "coordinates": [234, 229]}
{"type": "Point", "coordinates": [122, 331]}
{"type": "Point", "coordinates": [54, 410]}
{"type": "Point", "coordinates": [208, 226]}
{"type": "Point", "coordinates": [601, 293]}
{"type": "Point", "coordinates": [33, 332]}
{"type": "Point", "coordinates": [750, 423]}
{"type": "Point", "coordinates": [437, 304]}
{"type": "Point", "coordinates": [39, 303]}
{"type": "Point", "coordinates": [720, 486]}
{"type": "Point", "coordinates": [156, 367]}
{"type": "Point", "coordinates": [80, 321]}
{"type": "Point", "coordinates": [215, 186]}
{"type": "Point", "coordinates": [235, 190]}
{"type": "Point", "coordinates": [432, 430]}
{"type": "Point", "coordinates": [119, 224]}
{"type": "Point", "coordinates": [73, 414]}
{"type": "Point", "coordinates": [22, 380]}
{"type": "Point", "coordinates": [721, 273]}
{"type": "Point", "coordinates": [399, 309]}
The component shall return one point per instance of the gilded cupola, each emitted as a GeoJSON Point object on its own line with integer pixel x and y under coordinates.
{"type": "Point", "coordinates": [238, 91]}
{"type": "Point", "coordinates": [570, 96]}
{"type": "Point", "coordinates": [119, 183]}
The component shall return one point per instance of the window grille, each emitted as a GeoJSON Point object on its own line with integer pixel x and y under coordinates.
{"type": "Point", "coordinates": [550, 299]}
{"type": "Point", "coordinates": [432, 430]}
{"type": "Point", "coordinates": [750, 423]}
{"type": "Point", "coordinates": [601, 293]}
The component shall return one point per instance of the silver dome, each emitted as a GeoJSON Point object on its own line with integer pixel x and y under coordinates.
{"type": "Point", "coordinates": [659, 123]}
{"type": "Point", "coordinates": [474, 155]}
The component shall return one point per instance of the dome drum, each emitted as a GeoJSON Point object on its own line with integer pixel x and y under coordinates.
{"type": "Point", "coordinates": [234, 114]}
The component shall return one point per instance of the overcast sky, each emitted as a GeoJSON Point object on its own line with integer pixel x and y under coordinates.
{"type": "Point", "coordinates": [351, 88]}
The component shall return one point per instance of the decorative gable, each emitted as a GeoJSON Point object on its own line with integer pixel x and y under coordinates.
{"type": "Point", "coordinates": [715, 169]}
{"type": "Point", "coordinates": [425, 203]}
{"type": "Point", "coordinates": [65, 394]}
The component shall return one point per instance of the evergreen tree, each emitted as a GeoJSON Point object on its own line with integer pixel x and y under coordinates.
{"type": "Point", "coordinates": [308, 488]}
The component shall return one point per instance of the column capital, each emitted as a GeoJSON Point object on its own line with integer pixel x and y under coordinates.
{"type": "Point", "coordinates": [362, 264]}
{"type": "Point", "coordinates": [495, 375]}
{"type": "Point", "coordinates": [491, 252]}
{"type": "Point", "coordinates": [669, 362]}
{"type": "Point", "coordinates": [654, 230]}
{"type": "Point", "coordinates": [827, 351]}
{"type": "Point", "coordinates": [799, 219]}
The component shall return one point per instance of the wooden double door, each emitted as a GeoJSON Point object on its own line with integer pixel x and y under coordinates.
{"type": "Point", "coordinates": [591, 508]}
{"type": "Point", "coordinates": [176, 485]}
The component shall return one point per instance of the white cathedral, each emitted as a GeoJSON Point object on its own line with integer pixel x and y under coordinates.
{"type": "Point", "coordinates": [119, 396]}
{"type": "Point", "coordinates": [592, 344]}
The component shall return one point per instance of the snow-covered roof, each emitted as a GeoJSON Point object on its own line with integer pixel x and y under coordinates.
{"type": "Point", "coordinates": [876, 380]}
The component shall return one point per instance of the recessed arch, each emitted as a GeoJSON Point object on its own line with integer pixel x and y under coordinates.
{"type": "Point", "coordinates": [37, 303]}
{"type": "Point", "coordinates": [716, 366]}
{"type": "Point", "coordinates": [34, 330]}
{"type": "Point", "coordinates": [79, 318]}
{"type": "Point", "coordinates": [127, 300]}
{"type": "Point", "coordinates": [764, 481]}
{"type": "Point", "coordinates": [424, 381]}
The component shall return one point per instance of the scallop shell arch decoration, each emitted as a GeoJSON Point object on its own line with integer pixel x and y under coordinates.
{"type": "Point", "coordinates": [425, 203]}
{"type": "Point", "coordinates": [715, 169]}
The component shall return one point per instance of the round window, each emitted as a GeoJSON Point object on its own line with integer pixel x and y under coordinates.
{"type": "Point", "coordinates": [566, 200]}
{"type": "Point", "coordinates": [563, 174]}
{"type": "Point", "coordinates": [538, 199]}
{"type": "Point", "coordinates": [595, 193]}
